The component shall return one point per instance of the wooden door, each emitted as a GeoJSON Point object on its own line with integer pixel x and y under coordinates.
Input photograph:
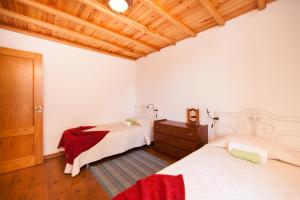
{"type": "Point", "coordinates": [20, 109]}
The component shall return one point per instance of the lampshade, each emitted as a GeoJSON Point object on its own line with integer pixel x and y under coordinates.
{"type": "Point", "coordinates": [119, 5]}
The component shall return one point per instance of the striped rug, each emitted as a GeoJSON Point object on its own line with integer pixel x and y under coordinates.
{"type": "Point", "coordinates": [119, 173]}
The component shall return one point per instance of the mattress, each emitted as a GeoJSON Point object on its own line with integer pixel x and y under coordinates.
{"type": "Point", "coordinates": [212, 173]}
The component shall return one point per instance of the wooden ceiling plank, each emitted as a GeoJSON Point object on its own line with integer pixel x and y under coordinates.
{"type": "Point", "coordinates": [62, 30]}
{"type": "Point", "coordinates": [55, 39]}
{"type": "Point", "coordinates": [167, 16]}
{"type": "Point", "coordinates": [209, 6]}
{"type": "Point", "coordinates": [261, 4]}
{"type": "Point", "coordinates": [80, 21]}
{"type": "Point", "coordinates": [126, 20]}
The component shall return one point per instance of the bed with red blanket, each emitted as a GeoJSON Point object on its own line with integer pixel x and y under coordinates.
{"type": "Point", "coordinates": [85, 144]}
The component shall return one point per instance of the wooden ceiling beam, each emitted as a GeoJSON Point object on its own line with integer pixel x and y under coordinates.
{"type": "Point", "coordinates": [85, 23]}
{"type": "Point", "coordinates": [167, 16]}
{"type": "Point", "coordinates": [62, 41]}
{"type": "Point", "coordinates": [126, 20]}
{"type": "Point", "coordinates": [261, 4]}
{"type": "Point", "coordinates": [209, 6]}
{"type": "Point", "coordinates": [68, 32]}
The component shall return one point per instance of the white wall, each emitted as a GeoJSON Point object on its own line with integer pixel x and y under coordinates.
{"type": "Point", "coordinates": [80, 87]}
{"type": "Point", "coordinates": [253, 61]}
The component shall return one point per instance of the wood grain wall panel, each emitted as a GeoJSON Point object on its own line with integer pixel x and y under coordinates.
{"type": "Point", "coordinates": [16, 92]}
{"type": "Point", "coordinates": [18, 147]}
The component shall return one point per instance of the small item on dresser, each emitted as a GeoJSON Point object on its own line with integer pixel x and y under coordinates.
{"type": "Point", "coordinates": [193, 117]}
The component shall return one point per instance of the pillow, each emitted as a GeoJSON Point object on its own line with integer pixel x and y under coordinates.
{"type": "Point", "coordinates": [245, 155]}
{"type": "Point", "coordinates": [275, 150]}
{"type": "Point", "coordinates": [248, 152]}
{"type": "Point", "coordinates": [131, 122]}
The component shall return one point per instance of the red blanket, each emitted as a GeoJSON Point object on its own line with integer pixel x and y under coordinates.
{"type": "Point", "coordinates": [76, 141]}
{"type": "Point", "coordinates": [155, 187]}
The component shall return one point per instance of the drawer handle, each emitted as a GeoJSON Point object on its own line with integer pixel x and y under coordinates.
{"type": "Point", "coordinates": [190, 134]}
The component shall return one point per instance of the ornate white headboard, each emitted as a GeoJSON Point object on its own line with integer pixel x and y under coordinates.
{"type": "Point", "coordinates": [282, 129]}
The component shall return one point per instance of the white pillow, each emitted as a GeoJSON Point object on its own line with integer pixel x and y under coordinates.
{"type": "Point", "coordinates": [275, 150]}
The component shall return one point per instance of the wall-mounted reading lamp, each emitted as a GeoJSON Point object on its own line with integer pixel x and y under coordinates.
{"type": "Point", "coordinates": [214, 120]}
{"type": "Point", "coordinates": [153, 108]}
{"type": "Point", "coordinates": [211, 117]}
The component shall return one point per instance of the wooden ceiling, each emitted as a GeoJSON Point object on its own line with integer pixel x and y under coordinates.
{"type": "Point", "coordinates": [148, 26]}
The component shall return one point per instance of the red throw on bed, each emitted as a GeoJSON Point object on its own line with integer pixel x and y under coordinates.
{"type": "Point", "coordinates": [77, 140]}
{"type": "Point", "coordinates": [155, 187]}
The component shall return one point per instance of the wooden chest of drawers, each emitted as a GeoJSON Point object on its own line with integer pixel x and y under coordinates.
{"type": "Point", "coordinates": [177, 138]}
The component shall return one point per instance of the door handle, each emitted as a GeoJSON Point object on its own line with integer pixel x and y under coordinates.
{"type": "Point", "coordinates": [38, 109]}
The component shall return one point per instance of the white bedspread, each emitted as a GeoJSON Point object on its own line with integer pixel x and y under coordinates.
{"type": "Point", "coordinates": [120, 139]}
{"type": "Point", "coordinates": [212, 173]}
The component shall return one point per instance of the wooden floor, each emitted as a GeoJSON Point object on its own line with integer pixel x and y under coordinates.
{"type": "Point", "coordinates": [47, 181]}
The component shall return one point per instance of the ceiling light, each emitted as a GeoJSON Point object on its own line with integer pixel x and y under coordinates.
{"type": "Point", "coordinates": [119, 5]}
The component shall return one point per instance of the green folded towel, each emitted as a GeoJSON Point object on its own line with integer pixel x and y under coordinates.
{"type": "Point", "coordinates": [252, 157]}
